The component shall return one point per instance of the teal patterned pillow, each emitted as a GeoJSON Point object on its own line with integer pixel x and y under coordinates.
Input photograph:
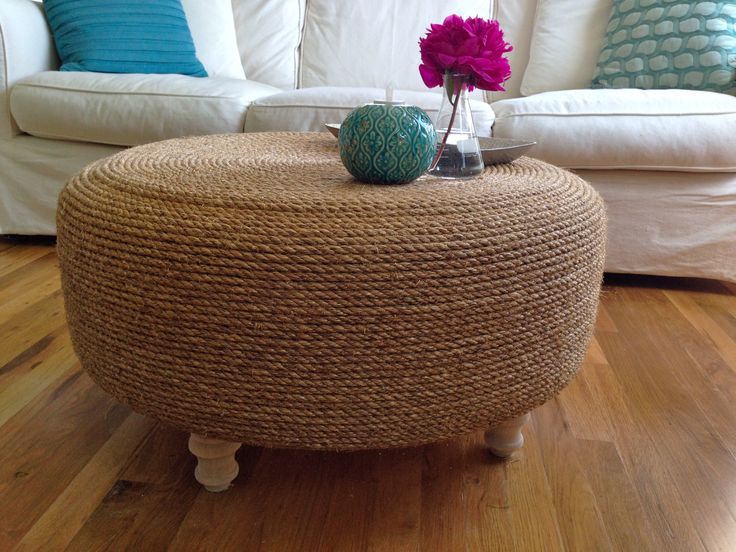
{"type": "Point", "coordinates": [669, 44]}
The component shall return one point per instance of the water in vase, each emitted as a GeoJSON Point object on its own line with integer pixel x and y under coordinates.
{"type": "Point", "coordinates": [461, 157]}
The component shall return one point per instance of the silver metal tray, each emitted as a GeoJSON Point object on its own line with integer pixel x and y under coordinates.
{"type": "Point", "coordinates": [495, 151]}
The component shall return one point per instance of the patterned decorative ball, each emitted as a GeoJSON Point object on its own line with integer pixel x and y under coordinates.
{"type": "Point", "coordinates": [384, 143]}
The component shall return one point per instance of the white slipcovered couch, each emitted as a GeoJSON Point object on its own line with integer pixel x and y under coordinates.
{"type": "Point", "coordinates": [662, 160]}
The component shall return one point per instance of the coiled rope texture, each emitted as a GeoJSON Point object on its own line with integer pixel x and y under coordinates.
{"type": "Point", "coordinates": [246, 287]}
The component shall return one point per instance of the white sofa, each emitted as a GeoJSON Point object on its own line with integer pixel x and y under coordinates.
{"type": "Point", "coordinates": [662, 160]}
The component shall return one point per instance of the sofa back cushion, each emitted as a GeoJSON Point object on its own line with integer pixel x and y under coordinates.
{"type": "Point", "coordinates": [564, 51]}
{"type": "Point", "coordinates": [356, 43]}
{"type": "Point", "coordinates": [269, 33]}
{"type": "Point", "coordinates": [517, 20]}
{"type": "Point", "coordinates": [213, 31]}
{"type": "Point", "coordinates": [299, 43]}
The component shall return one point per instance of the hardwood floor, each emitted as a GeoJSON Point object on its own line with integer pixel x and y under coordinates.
{"type": "Point", "coordinates": [638, 453]}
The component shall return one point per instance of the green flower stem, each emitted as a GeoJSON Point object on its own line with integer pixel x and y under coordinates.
{"type": "Point", "coordinates": [441, 150]}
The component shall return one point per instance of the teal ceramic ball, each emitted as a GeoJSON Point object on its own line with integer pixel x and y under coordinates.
{"type": "Point", "coordinates": [387, 144]}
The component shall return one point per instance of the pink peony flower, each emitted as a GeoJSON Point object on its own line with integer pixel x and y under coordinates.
{"type": "Point", "coordinates": [472, 46]}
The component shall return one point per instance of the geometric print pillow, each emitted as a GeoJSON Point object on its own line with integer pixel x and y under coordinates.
{"type": "Point", "coordinates": [669, 44]}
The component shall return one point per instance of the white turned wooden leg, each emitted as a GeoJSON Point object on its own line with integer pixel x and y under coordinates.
{"type": "Point", "coordinates": [506, 438]}
{"type": "Point", "coordinates": [216, 464]}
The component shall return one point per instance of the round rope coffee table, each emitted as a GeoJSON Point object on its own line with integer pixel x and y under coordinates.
{"type": "Point", "coordinates": [245, 288]}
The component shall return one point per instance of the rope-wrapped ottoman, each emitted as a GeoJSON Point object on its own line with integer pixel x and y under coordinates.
{"type": "Point", "coordinates": [245, 288]}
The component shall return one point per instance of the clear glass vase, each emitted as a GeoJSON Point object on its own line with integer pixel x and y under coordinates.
{"type": "Point", "coordinates": [458, 151]}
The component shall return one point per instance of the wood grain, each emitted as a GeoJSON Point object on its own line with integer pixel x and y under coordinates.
{"type": "Point", "coordinates": [21, 380]}
{"type": "Point", "coordinates": [581, 524]}
{"type": "Point", "coordinates": [534, 518]}
{"type": "Point", "coordinates": [638, 453]}
{"type": "Point", "coordinates": [28, 284]}
{"type": "Point", "coordinates": [68, 513]}
{"type": "Point", "coordinates": [146, 505]}
{"type": "Point", "coordinates": [22, 333]}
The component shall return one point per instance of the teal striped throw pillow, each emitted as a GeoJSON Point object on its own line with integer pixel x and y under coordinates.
{"type": "Point", "coordinates": [669, 44]}
{"type": "Point", "coordinates": [123, 36]}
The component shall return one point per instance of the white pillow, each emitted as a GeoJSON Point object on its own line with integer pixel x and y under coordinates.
{"type": "Point", "coordinates": [565, 45]}
{"type": "Point", "coordinates": [373, 43]}
{"type": "Point", "coordinates": [213, 31]}
{"type": "Point", "coordinates": [269, 33]}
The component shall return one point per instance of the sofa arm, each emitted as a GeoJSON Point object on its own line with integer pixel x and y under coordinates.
{"type": "Point", "coordinates": [26, 48]}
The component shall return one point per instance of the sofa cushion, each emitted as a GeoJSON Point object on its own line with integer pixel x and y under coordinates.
{"type": "Point", "coordinates": [213, 31]}
{"type": "Point", "coordinates": [308, 109]}
{"type": "Point", "coordinates": [565, 60]}
{"type": "Point", "coordinates": [675, 130]}
{"type": "Point", "coordinates": [269, 33]}
{"type": "Point", "coordinates": [372, 43]}
{"type": "Point", "coordinates": [517, 21]}
{"type": "Point", "coordinates": [128, 110]}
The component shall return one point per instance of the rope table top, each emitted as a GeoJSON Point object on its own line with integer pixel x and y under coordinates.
{"type": "Point", "coordinates": [246, 287]}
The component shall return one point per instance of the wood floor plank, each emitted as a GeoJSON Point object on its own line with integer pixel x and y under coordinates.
{"type": "Point", "coordinates": [714, 400]}
{"type": "Point", "coordinates": [144, 508]}
{"type": "Point", "coordinates": [581, 524]}
{"type": "Point", "coordinates": [575, 402]}
{"type": "Point", "coordinates": [68, 513]}
{"type": "Point", "coordinates": [717, 301]}
{"type": "Point", "coordinates": [618, 502]}
{"type": "Point", "coordinates": [314, 533]}
{"type": "Point", "coordinates": [240, 509]}
{"type": "Point", "coordinates": [394, 521]}
{"type": "Point", "coordinates": [703, 323]}
{"type": "Point", "coordinates": [351, 504]}
{"type": "Point", "coordinates": [488, 524]}
{"type": "Point", "coordinates": [443, 519]}
{"type": "Point", "coordinates": [37, 371]}
{"type": "Point", "coordinates": [663, 506]}
{"type": "Point", "coordinates": [25, 330]}
{"type": "Point", "coordinates": [662, 397]}
{"type": "Point", "coordinates": [595, 354]}
{"type": "Point", "coordinates": [731, 287]}
{"type": "Point", "coordinates": [298, 505]}
{"type": "Point", "coordinates": [717, 420]}
{"type": "Point", "coordinates": [603, 322]}
{"type": "Point", "coordinates": [534, 520]}
{"type": "Point", "coordinates": [638, 453]}
{"type": "Point", "coordinates": [27, 285]}
{"type": "Point", "coordinates": [45, 445]}
{"type": "Point", "coordinates": [15, 258]}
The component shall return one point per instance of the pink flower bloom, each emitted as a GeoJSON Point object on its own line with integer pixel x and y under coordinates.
{"type": "Point", "coordinates": [472, 46]}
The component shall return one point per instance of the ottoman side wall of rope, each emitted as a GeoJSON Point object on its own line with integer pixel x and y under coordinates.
{"type": "Point", "coordinates": [244, 287]}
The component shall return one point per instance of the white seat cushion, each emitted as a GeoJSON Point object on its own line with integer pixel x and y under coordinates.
{"type": "Point", "coordinates": [667, 130]}
{"type": "Point", "coordinates": [308, 109]}
{"type": "Point", "coordinates": [127, 110]}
